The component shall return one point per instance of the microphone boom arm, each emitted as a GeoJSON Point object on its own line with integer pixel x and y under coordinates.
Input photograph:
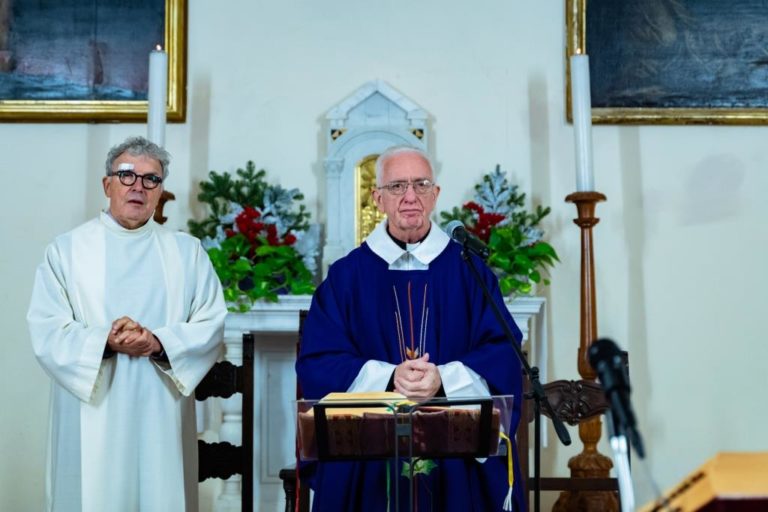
{"type": "Point", "coordinates": [537, 390]}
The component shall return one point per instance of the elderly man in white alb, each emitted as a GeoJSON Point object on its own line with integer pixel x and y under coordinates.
{"type": "Point", "coordinates": [126, 318]}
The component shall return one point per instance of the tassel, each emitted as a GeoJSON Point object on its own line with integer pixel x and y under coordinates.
{"type": "Point", "coordinates": [510, 473]}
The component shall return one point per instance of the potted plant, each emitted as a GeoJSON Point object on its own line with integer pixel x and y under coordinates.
{"type": "Point", "coordinates": [518, 253]}
{"type": "Point", "coordinates": [259, 242]}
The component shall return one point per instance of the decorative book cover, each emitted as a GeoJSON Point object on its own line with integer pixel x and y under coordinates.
{"type": "Point", "coordinates": [363, 426]}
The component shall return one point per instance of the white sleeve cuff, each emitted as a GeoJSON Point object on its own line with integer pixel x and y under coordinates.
{"type": "Point", "coordinates": [460, 381]}
{"type": "Point", "coordinates": [373, 376]}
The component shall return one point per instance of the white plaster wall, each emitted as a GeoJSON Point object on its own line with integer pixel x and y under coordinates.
{"type": "Point", "coordinates": [680, 249]}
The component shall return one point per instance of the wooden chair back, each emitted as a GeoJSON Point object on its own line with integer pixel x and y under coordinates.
{"type": "Point", "coordinates": [223, 460]}
{"type": "Point", "coordinates": [292, 487]}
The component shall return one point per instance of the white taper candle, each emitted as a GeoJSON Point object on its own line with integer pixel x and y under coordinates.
{"type": "Point", "coordinates": [581, 103]}
{"type": "Point", "coordinates": [157, 95]}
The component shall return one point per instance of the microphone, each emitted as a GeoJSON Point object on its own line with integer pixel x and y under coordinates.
{"type": "Point", "coordinates": [459, 234]}
{"type": "Point", "coordinates": [605, 358]}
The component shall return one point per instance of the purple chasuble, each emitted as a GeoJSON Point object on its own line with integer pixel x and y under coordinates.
{"type": "Point", "coordinates": [352, 320]}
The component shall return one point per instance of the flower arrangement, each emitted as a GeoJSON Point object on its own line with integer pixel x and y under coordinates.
{"type": "Point", "coordinates": [260, 245]}
{"type": "Point", "coordinates": [518, 254]}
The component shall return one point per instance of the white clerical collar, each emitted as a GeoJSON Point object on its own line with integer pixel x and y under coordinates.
{"type": "Point", "coordinates": [415, 257]}
{"type": "Point", "coordinates": [111, 223]}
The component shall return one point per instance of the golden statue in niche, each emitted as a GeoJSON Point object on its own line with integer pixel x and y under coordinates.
{"type": "Point", "coordinates": [367, 215]}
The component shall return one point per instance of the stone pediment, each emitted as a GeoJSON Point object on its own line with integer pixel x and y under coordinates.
{"type": "Point", "coordinates": [376, 104]}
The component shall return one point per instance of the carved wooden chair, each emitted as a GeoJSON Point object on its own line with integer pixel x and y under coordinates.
{"type": "Point", "coordinates": [294, 489]}
{"type": "Point", "coordinates": [573, 402]}
{"type": "Point", "coordinates": [223, 460]}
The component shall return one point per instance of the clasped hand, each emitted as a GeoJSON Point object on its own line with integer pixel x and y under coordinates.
{"type": "Point", "coordinates": [417, 378]}
{"type": "Point", "coordinates": [129, 337]}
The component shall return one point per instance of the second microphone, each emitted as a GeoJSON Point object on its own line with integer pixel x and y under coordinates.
{"type": "Point", "coordinates": [459, 234]}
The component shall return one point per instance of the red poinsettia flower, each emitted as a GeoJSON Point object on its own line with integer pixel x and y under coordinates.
{"type": "Point", "coordinates": [248, 224]}
{"type": "Point", "coordinates": [484, 221]}
{"type": "Point", "coordinates": [272, 235]}
{"type": "Point", "coordinates": [473, 206]}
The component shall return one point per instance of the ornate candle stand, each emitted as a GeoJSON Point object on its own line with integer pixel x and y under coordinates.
{"type": "Point", "coordinates": [589, 463]}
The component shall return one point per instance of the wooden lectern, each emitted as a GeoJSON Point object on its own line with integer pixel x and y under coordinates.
{"type": "Point", "coordinates": [728, 482]}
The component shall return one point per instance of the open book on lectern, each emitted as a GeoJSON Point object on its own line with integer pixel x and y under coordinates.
{"type": "Point", "coordinates": [378, 424]}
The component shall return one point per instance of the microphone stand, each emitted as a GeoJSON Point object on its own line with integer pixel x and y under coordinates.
{"type": "Point", "coordinates": [620, 447]}
{"type": "Point", "coordinates": [537, 391]}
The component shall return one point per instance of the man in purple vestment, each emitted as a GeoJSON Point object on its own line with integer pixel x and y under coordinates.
{"type": "Point", "coordinates": [403, 313]}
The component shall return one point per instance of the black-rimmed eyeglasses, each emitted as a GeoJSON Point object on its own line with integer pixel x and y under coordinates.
{"type": "Point", "coordinates": [398, 188]}
{"type": "Point", "coordinates": [128, 178]}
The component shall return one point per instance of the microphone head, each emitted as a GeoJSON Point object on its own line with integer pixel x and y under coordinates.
{"type": "Point", "coordinates": [602, 350]}
{"type": "Point", "coordinates": [606, 359]}
{"type": "Point", "coordinates": [452, 226]}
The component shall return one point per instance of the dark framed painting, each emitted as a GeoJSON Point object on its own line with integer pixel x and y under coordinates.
{"type": "Point", "coordinates": [673, 61]}
{"type": "Point", "coordinates": [88, 60]}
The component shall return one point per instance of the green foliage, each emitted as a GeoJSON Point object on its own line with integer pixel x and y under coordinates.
{"type": "Point", "coordinates": [267, 272]}
{"type": "Point", "coordinates": [250, 234]}
{"type": "Point", "coordinates": [518, 254]}
{"type": "Point", "coordinates": [464, 215]}
{"type": "Point", "coordinates": [248, 188]}
{"type": "Point", "coordinates": [518, 264]}
{"type": "Point", "coordinates": [420, 466]}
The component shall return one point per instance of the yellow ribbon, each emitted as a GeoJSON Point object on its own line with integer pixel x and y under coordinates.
{"type": "Point", "coordinates": [510, 472]}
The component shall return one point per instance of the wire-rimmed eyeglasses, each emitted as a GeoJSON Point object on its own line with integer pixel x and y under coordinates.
{"type": "Point", "coordinates": [398, 188]}
{"type": "Point", "coordinates": [128, 178]}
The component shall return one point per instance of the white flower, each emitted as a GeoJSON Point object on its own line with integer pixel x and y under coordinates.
{"type": "Point", "coordinates": [278, 202]}
{"type": "Point", "coordinates": [493, 195]}
{"type": "Point", "coordinates": [308, 245]}
{"type": "Point", "coordinates": [229, 217]}
{"type": "Point", "coordinates": [279, 223]}
{"type": "Point", "coordinates": [214, 243]}
{"type": "Point", "coordinates": [532, 235]}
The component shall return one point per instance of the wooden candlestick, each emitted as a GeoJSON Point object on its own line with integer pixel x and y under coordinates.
{"type": "Point", "coordinates": [585, 206]}
{"type": "Point", "coordinates": [589, 463]}
{"type": "Point", "coordinates": [164, 198]}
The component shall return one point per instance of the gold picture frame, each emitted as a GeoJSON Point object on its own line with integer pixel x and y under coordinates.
{"type": "Point", "coordinates": [110, 109]}
{"type": "Point", "coordinates": [703, 61]}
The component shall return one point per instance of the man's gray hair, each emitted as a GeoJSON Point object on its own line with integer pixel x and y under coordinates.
{"type": "Point", "coordinates": [139, 146]}
{"type": "Point", "coordinates": [396, 150]}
